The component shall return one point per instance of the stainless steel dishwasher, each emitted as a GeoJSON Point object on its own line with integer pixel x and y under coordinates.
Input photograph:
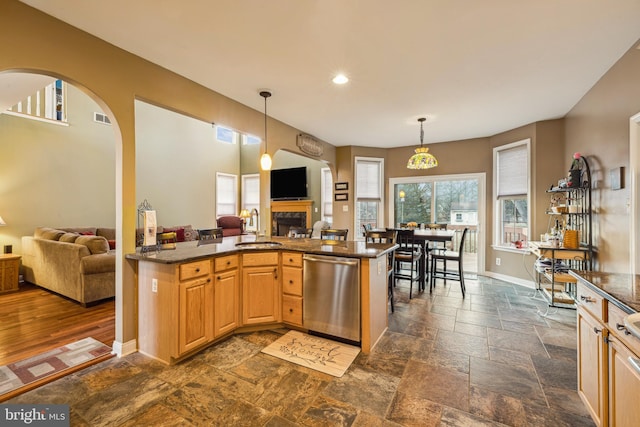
{"type": "Point", "coordinates": [331, 290]}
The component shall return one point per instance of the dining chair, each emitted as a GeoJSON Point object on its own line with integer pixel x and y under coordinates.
{"type": "Point", "coordinates": [387, 236]}
{"type": "Point", "coordinates": [365, 228]}
{"type": "Point", "coordinates": [438, 246]}
{"type": "Point", "coordinates": [300, 232]}
{"type": "Point", "coordinates": [439, 269]}
{"type": "Point", "coordinates": [408, 252]}
{"type": "Point", "coordinates": [334, 234]}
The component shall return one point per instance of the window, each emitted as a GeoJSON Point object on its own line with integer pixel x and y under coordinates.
{"type": "Point", "coordinates": [368, 192]}
{"type": "Point", "coordinates": [250, 140]}
{"type": "Point", "coordinates": [511, 189]}
{"type": "Point", "coordinates": [226, 194]}
{"type": "Point", "coordinates": [226, 135]}
{"type": "Point", "coordinates": [251, 196]}
{"type": "Point", "coordinates": [326, 196]}
{"type": "Point", "coordinates": [47, 103]}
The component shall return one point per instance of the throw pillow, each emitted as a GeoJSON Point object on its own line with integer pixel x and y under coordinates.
{"type": "Point", "coordinates": [179, 232]}
{"type": "Point", "coordinates": [95, 244]}
{"type": "Point", "coordinates": [190, 234]}
{"type": "Point", "coordinates": [112, 244]}
{"type": "Point", "coordinates": [69, 237]}
{"type": "Point", "coordinates": [48, 233]}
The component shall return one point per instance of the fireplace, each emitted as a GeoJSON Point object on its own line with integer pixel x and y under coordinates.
{"type": "Point", "coordinates": [282, 221]}
{"type": "Point", "coordinates": [290, 213]}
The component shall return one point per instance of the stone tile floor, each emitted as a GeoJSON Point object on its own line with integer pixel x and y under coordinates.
{"type": "Point", "coordinates": [486, 360]}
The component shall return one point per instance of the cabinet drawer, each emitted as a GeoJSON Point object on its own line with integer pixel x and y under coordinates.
{"type": "Point", "coordinates": [195, 269]}
{"type": "Point", "coordinates": [260, 258]}
{"type": "Point", "coordinates": [616, 326]}
{"type": "Point", "coordinates": [591, 301]}
{"type": "Point", "coordinates": [225, 263]}
{"type": "Point", "coordinates": [292, 280]}
{"type": "Point", "coordinates": [293, 259]}
{"type": "Point", "coordinates": [292, 310]}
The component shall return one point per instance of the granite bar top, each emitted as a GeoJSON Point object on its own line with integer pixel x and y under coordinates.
{"type": "Point", "coordinates": [190, 251]}
{"type": "Point", "coordinates": [623, 290]}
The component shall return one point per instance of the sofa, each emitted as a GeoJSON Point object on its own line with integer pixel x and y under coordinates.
{"type": "Point", "coordinates": [78, 263]}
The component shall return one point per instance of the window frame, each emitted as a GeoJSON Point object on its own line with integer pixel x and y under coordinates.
{"type": "Point", "coordinates": [220, 191]}
{"type": "Point", "coordinates": [358, 198]}
{"type": "Point", "coordinates": [326, 195]}
{"type": "Point", "coordinates": [498, 200]}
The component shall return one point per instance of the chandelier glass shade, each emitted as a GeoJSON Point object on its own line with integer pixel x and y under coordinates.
{"type": "Point", "coordinates": [265, 159]}
{"type": "Point", "coordinates": [422, 159]}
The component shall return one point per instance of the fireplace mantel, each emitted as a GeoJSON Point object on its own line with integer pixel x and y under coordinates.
{"type": "Point", "coordinates": [293, 206]}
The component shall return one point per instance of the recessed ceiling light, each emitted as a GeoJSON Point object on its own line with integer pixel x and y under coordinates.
{"type": "Point", "coordinates": [340, 79]}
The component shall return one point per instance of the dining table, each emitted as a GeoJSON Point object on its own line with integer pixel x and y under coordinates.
{"type": "Point", "coordinates": [423, 236]}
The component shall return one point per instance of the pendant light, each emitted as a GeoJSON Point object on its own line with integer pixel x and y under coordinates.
{"type": "Point", "coordinates": [422, 159]}
{"type": "Point", "coordinates": [265, 160]}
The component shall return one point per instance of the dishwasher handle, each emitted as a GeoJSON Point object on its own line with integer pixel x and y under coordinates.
{"type": "Point", "coordinates": [330, 259]}
{"type": "Point", "coordinates": [635, 363]}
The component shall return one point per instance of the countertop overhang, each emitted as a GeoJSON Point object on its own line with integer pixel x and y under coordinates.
{"type": "Point", "coordinates": [191, 251]}
{"type": "Point", "coordinates": [623, 290]}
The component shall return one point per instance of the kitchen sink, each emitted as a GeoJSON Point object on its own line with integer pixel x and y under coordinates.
{"type": "Point", "coordinates": [258, 245]}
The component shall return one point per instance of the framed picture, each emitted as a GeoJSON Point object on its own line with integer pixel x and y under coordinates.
{"type": "Point", "coordinates": [341, 186]}
{"type": "Point", "coordinates": [616, 178]}
{"type": "Point", "coordinates": [341, 197]}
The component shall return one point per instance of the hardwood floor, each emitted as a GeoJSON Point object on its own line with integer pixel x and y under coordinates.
{"type": "Point", "coordinates": [34, 320]}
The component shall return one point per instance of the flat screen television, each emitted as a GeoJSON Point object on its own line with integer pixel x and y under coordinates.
{"type": "Point", "coordinates": [289, 184]}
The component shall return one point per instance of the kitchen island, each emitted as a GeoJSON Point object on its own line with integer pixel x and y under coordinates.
{"type": "Point", "coordinates": [196, 295]}
{"type": "Point", "coordinates": [608, 350]}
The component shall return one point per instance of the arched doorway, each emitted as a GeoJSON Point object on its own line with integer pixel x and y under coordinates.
{"type": "Point", "coordinates": [58, 173]}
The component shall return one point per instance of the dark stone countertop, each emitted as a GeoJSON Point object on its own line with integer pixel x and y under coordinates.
{"type": "Point", "coordinates": [621, 289]}
{"type": "Point", "coordinates": [190, 251]}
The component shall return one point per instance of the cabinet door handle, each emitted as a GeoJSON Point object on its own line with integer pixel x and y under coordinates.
{"type": "Point", "coordinates": [219, 277]}
{"type": "Point", "coordinates": [587, 298]}
{"type": "Point", "coordinates": [197, 270]}
{"type": "Point", "coordinates": [596, 330]}
{"type": "Point", "coordinates": [622, 328]}
{"type": "Point", "coordinates": [209, 280]}
{"type": "Point", "coordinates": [291, 310]}
{"type": "Point", "coordinates": [291, 282]}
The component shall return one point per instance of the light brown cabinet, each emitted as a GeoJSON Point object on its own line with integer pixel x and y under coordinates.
{"type": "Point", "coordinates": [608, 371]}
{"type": "Point", "coordinates": [9, 271]}
{"type": "Point", "coordinates": [260, 288]}
{"type": "Point", "coordinates": [292, 288]}
{"type": "Point", "coordinates": [175, 308]}
{"type": "Point", "coordinates": [592, 365]}
{"type": "Point", "coordinates": [226, 295]}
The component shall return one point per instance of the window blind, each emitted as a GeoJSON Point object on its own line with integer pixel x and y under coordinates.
{"type": "Point", "coordinates": [513, 171]}
{"type": "Point", "coordinates": [368, 180]}
{"type": "Point", "coordinates": [251, 192]}
{"type": "Point", "coordinates": [226, 194]}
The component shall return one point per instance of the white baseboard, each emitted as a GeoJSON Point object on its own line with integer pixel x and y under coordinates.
{"type": "Point", "coordinates": [510, 279]}
{"type": "Point", "coordinates": [122, 349]}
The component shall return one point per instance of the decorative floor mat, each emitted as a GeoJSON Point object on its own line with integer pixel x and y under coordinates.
{"type": "Point", "coordinates": [317, 353]}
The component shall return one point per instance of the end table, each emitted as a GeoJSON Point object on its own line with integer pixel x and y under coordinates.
{"type": "Point", "coordinates": [9, 272]}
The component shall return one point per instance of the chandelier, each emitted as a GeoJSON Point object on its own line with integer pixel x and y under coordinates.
{"type": "Point", "coordinates": [422, 159]}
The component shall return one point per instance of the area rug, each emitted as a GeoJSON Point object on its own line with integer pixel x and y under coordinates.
{"type": "Point", "coordinates": [50, 363]}
{"type": "Point", "coordinates": [317, 353]}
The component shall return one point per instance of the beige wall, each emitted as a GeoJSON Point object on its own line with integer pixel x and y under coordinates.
{"type": "Point", "coordinates": [598, 127]}
{"type": "Point", "coordinates": [54, 175]}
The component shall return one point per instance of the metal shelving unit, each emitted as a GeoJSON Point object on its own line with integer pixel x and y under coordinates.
{"type": "Point", "coordinates": [554, 259]}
